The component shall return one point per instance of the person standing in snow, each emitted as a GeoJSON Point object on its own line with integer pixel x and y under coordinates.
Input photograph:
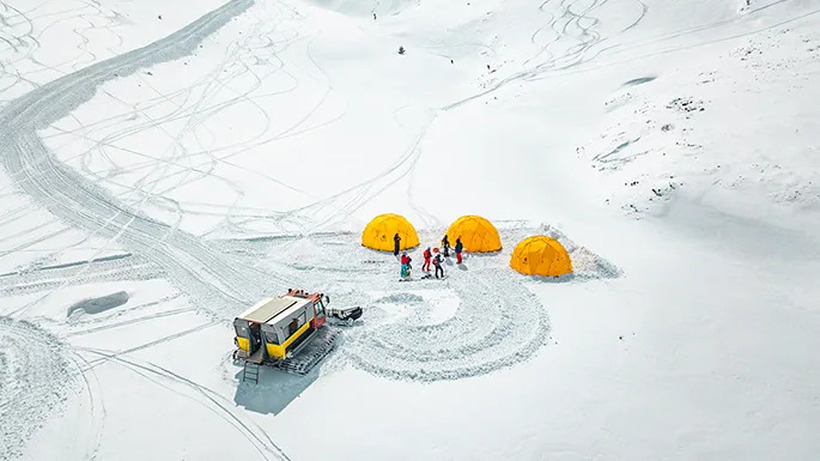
{"type": "Point", "coordinates": [396, 244]}
{"type": "Point", "coordinates": [459, 247]}
{"type": "Point", "coordinates": [405, 265]}
{"type": "Point", "coordinates": [439, 268]}
{"type": "Point", "coordinates": [428, 256]}
{"type": "Point", "coordinates": [445, 242]}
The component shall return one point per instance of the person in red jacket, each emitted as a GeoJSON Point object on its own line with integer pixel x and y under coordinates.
{"type": "Point", "coordinates": [428, 256]}
{"type": "Point", "coordinates": [405, 265]}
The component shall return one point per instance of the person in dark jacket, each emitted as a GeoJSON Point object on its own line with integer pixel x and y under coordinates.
{"type": "Point", "coordinates": [445, 242]}
{"type": "Point", "coordinates": [437, 262]}
{"type": "Point", "coordinates": [459, 248]}
{"type": "Point", "coordinates": [396, 244]}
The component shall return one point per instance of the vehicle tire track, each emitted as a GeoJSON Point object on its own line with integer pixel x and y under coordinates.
{"type": "Point", "coordinates": [35, 377]}
{"type": "Point", "coordinates": [218, 282]}
{"type": "Point", "coordinates": [498, 323]}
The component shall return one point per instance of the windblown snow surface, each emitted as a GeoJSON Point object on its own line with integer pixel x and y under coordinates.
{"type": "Point", "coordinates": [166, 164]}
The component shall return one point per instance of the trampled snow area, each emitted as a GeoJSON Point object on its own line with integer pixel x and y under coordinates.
{"type": "Point", "coordinates": [167, 164]}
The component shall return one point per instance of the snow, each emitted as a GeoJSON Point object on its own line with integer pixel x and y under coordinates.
{"type": "Point", "coordinates": [168, 183]}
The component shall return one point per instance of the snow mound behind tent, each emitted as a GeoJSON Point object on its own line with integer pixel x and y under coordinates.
{"type": "Point", "coordinates": [585, 262]}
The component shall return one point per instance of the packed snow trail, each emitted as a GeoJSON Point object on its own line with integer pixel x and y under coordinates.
{"type": "Point", "coordinates": [32, 383]}
{"type": "Point", "coordinates": [504, 325]}
{"type": "Point", "coordinates": [212, 279]}
{"type": "Point", "coordinates": [498, 323]}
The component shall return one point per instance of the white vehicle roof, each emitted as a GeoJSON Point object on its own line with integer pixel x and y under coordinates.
{"type": "Point", "coordinates": [289, 311]}
{"type": "Point", "coordinates": [268, 308]}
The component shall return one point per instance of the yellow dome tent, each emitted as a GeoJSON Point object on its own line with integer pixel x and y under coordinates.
{"type": "Point", "coordinates": [541, 255]}
{"type": "Point", "coordinates": [379, 233]}
{"type": "Point", "coordinates": [477, 234]}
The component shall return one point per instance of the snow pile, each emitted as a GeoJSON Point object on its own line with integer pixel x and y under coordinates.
{"type": "Point", "coordinates": [36, 376]}
{"type": "Point", "coordinates": [585, 263]}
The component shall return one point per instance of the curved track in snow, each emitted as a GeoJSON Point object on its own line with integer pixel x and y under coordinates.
{"type": "Point", "coordinates": [213, 279]}
{"type": "Point", "coordinates": [34, 378]}
{"type": "Point", "coordinates": [498, 323]}
{"type": "Point", "coordinates": [226, 410]}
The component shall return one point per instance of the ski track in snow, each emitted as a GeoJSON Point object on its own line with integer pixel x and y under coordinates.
{"type": "Point", "coordinates": [77, 201]}
{"type": "Point", "coordinates": [498, 322]}
{"type": "Point", "coordinates": [512, 328]}
{"type": "Point", "coordinates": [35, 377]}
{"type": "Point", "coordinates": [226, 409]}
{"type": "Point", "coordinates": [574, 29]}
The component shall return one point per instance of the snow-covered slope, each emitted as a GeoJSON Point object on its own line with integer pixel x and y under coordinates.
{"type": "Point", "coordinates": [159, 177]}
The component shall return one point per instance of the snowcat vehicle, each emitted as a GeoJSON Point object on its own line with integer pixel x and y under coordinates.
{"type": "Point", "coordinates": [287, 332]}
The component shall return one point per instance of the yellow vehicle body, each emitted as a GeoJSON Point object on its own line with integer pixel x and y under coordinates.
{"type": "Point", "coordinates": [280, 351]}
{"type": "Point", "coordinates": [243, 344]}
{"type": "Point", "coordinates": [275, 326]}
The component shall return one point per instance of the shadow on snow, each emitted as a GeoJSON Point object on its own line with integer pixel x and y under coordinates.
{"type": "Point", "coordinates": [274, 391]}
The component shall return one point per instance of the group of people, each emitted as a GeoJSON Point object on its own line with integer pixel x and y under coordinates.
{"type": "Point", "coordinates": [437, 261]}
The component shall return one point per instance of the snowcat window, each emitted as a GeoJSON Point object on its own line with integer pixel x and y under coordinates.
{"type": "Point", "coordinates": [293, 326]}
{"type": "Point", "coordinates": [271, 338]}
{"type": "Point", "coordinates": [320, 309]}
{"type": "Point", "coordinates": [242, 331]}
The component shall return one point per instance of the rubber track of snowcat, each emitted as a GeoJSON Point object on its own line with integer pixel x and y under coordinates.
{"type": "Point", "coordinates": [307, 358]}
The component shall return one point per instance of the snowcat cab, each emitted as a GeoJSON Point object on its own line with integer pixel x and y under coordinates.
{"type": "Point", "coordinates": [294, 326]}
{"type": "Point", "coordinates": [281, 331]}
{"type": "Point", "coordinates": [249, 332]}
